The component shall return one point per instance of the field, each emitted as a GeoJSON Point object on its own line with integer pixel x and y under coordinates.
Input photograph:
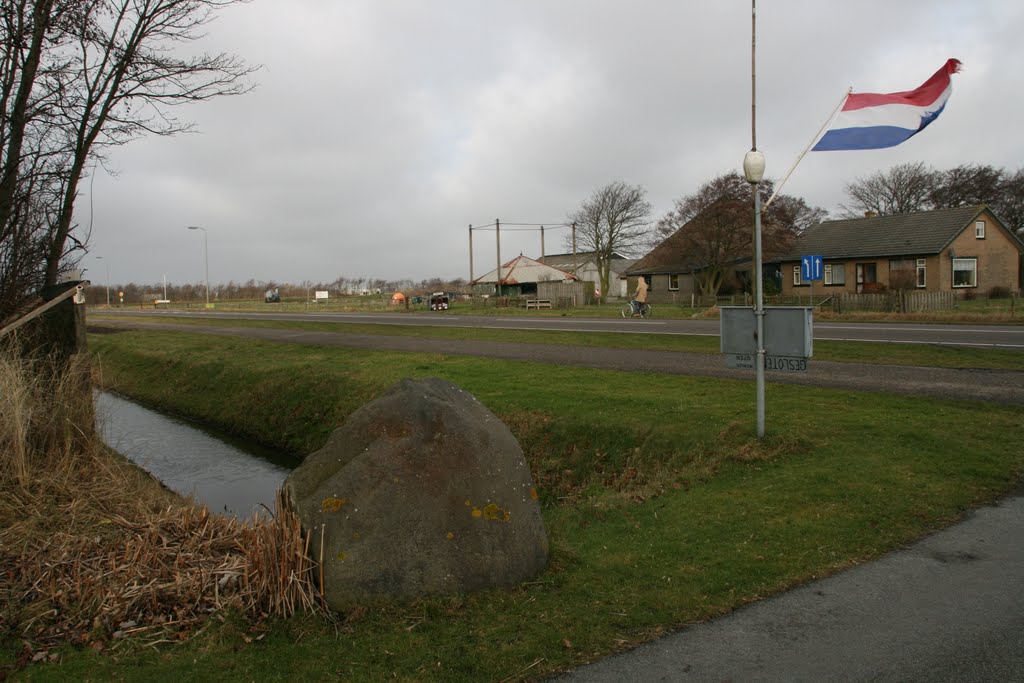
{"type": "Point", "coordinates": [661, 507]}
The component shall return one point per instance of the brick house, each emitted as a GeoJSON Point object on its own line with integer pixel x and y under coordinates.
{"type": "Point", "coordinates": [966, 250]}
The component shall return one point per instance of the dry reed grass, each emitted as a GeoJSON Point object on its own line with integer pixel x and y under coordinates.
{"type": "Point", "coordinates": [95, 552]}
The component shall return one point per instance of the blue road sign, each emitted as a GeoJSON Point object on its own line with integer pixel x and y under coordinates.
{"type": "Point", "coordinates": [811, 268]}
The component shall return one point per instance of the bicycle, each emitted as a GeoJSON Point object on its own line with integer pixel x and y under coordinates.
{"type": "Point", "coordinates": [645, 311]}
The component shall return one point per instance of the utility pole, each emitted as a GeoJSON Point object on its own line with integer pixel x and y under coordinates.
{"type": "Point", "coordinates": [497, 241]}
{"type": "Point", "coordinates": [542, 253]}
{"type": "Point", "coordinates": [471, 253]}
{"type": "Point", "coordinates": [574, 266]}
{"type": "Point", "coordinates": [107, 263]}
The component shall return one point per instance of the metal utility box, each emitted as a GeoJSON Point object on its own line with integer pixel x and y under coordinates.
{"type": "Point", "coordinates": [788, 334]}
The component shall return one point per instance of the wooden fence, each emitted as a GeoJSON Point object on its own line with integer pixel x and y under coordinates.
{"type": "Point", "coordinates": [894, 301]}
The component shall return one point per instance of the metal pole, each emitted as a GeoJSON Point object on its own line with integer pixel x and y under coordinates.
{"type": "Point", "coordinates": [206, 265]}
{"type": "Point", "coordinates": [471, 255]}
{"type": "Point", "coordinates": [497, 241]}
{"type": "Point", "coordinates": [206, 261]}
{"type": "Point", "coordinates": [107, 264]}
{"type": "Point", "coordinates": [758, 278]}
{"type": "Point", "coordinates": [574, 266]}
{"type": "Point", "coordinates": [753, 74]}
{"type": "Point", "coordinates": [759, 311]}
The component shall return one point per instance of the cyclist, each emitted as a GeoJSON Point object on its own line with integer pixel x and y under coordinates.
{"type": "Point", "coordinates": [640, 296]}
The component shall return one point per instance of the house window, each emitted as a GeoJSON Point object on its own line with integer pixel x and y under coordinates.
{"type": "Point", "coordinates": [979, 230]}
{"type": "Point", "coordinates": [673, 282]}
{"type": "Point", "coordinates": [835, 274]}
{"type": "Point", "coordinates": [922, 279]}
{"type": "Point", "coordinates": [965, 272]}
{"type": "Point", "coordinates": [796, 276]}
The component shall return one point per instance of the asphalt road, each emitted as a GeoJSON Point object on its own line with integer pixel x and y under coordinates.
{"type": "Point", "coordinates": [1001, 386]}
{"type": "Point", "coordinates": [948, 608]}
{"type": "Point", "coordinates": [993, 336]}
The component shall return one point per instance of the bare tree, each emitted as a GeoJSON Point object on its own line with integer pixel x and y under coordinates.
{"type": "Point", "coordinates": [1011, 208]}
{"type": "Point", "coordinates": [713, 228]}
{"type": "Point", "coordinates": [970, 184]}
{"type": "Point", "coordinates": [80, 76]}
{"type": "Point", "coordinates": [615, 218]}
{"type": "Point", "coordinates": [904, 188]}
{"type": "Point", "coordinates": [966, 185]}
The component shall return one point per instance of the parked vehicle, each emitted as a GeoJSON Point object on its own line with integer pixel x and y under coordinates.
{"type": "Point", "coordinates": [272, 296]}
{"type": "Point", "coordinates": [439, 301]}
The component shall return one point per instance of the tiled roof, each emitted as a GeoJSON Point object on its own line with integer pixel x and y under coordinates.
{"type": "Point", "coordinates": [906, 234]}
{"type": "Point", "coordinates": [565, 261]}
{"type": "Point", "coordinates": [667, 257]}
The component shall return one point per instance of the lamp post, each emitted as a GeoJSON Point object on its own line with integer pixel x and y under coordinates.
{"type": "Point", "coordinates": [107, 264]}
{"type": "Point", "coordinates": [753, 170]}
{"type": "Point", "coordinates": [206, 261]}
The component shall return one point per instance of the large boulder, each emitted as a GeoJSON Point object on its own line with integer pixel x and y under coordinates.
{"type": "Point", "coordinates": [422, 491]}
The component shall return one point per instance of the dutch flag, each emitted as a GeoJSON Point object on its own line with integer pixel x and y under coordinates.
{"type": "Point", "coordinates": [876, 121]}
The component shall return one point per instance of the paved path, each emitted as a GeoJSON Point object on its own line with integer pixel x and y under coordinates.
{"type": "Point", "coordinates": [1001, 386]}
{"type": "Point", "coordinates": [948, 608]}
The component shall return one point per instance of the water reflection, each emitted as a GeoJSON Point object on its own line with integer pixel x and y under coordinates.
{"type": "Point", "coordinates": [226, 475]}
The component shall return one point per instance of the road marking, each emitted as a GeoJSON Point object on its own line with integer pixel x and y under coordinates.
{"type": "Point", "coordinates": [576, 321]}
{"type": "Point", "coordinates": [994, 345]}
{"type": "Point", "coordinates": [920, 328]}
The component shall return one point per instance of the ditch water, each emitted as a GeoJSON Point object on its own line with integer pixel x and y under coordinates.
{"type": "Point", "coordinates": [226, 474]}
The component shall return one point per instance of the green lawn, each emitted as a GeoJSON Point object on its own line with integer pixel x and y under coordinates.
{"type": "Point", "coordinates": [838, 351]}
{"type": "Point", "coordinates": [661, 507]}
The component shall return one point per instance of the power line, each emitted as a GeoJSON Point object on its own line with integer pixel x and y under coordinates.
{"type": "Point", "coordinates": [523, 226]}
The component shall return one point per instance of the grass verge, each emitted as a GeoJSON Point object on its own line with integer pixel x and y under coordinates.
{"type": "Point", "coordinates": [922, 355]}
{"type": "Point", "coordinates": [660, 507]}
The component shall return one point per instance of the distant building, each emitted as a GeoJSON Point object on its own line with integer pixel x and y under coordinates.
{"type": "Point", "coordinates": [520, 277]}
{"type": "Point", "coordinates": [584, 266]}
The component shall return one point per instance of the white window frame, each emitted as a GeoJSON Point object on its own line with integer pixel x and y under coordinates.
{"type": "Point", "coordinates": [973, 269]}
{"type": "Point", "coordinates": [831, 270]}
{"type": "Point", "coordinates": [673, 287]}
{"type": "Point", "coordinates": [797, 280]}
{"type": "Point", "coordinates": [922, 273]}
{"type": "Point", "coordinates": [979, 230]}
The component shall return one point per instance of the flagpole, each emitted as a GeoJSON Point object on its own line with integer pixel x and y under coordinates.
{"type": "Point", "coordinates": [778, 188]}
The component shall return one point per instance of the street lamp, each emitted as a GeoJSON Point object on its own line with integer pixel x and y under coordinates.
{"type": "Point", "coordinates": [753, 170]}
{"type": "Point", "coordinates": [206, 261]}
{"type": "Point", "coordinates": [107, 264]}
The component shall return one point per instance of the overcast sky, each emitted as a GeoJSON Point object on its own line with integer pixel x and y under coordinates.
{"type": "Point", "coordinates": [380, 129]}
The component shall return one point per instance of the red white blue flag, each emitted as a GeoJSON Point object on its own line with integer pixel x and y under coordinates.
{"type": "Point", "coordinates": [876, 121]}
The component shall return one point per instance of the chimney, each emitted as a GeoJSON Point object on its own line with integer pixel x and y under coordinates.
{"type": "Point", "coordinates": [870, 214]}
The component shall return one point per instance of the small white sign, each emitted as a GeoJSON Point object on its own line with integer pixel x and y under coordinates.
{"type": "Point", "coordinates": [321, 295]}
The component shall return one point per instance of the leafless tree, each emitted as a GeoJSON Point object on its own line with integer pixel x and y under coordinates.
{"type": "Point", "coordinates": [904, 188]}
{"type": "Point", "coordinates": [713, 227]}
{"type": "Point", "coordinates": [970, 184]}
{"type": "Point", "coordinates": [615, 218]}
{"type": "Point", "coordinates": [1011, 209]}
{"type": "Point", "coordinates": [80, 76]}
